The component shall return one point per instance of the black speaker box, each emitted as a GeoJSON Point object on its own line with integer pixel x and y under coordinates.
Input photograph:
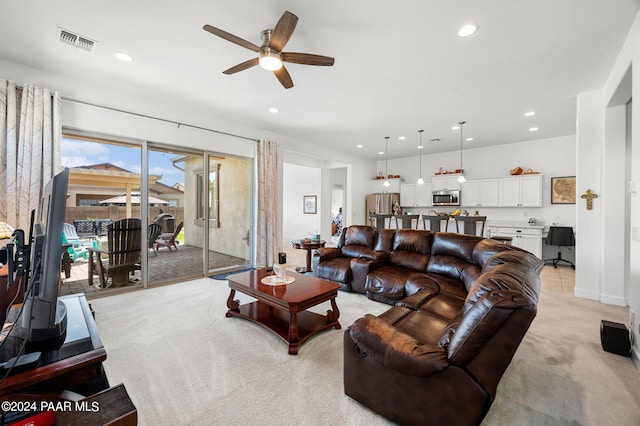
{"type": "Point", "coordinates": [282, 258]}
{"type": "Point", "coordinates": [615, 338]}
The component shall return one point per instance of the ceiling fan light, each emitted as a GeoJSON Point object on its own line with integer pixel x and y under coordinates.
{"type": "Point", "coordinates": [467, 30]}
{"type": "Point", "coordinates": [270, 60]}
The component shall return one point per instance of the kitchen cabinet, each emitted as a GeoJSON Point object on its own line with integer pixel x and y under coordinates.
{"type": "Point", "coordinates": [480, 193]}
{"type": "Point", "coordinates": [414, 195]}
{"type": "Point", "coordinates": [520, 191]}
{"type": "Point", "coordinates": [445, 182]}
{"type": "Point", "coordinates": [528, 238]}
{"type": "Point", "coordinates": [377, 185]}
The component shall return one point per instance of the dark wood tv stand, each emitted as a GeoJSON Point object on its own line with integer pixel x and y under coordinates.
{"type": "Point", "coordinates": [75, 367]}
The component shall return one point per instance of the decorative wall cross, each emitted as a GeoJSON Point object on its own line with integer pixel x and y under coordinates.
{"type": "Point", "coordinates": [589, 196]}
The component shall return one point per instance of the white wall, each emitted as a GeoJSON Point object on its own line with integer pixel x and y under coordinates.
{"type": "Point", "coordinates": [298, 182]}
{"type": "Point", "coordinates": [615, 92]}
{"type": "Point", "coordinates": [590, 137]}
{"type": "Point", "coordinates": [610, 233]}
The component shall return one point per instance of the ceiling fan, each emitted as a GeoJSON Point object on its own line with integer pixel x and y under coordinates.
{"type": "Point", "coordinates": [270, 54]}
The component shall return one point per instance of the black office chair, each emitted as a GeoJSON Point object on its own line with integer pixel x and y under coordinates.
{"type": "Point", "coordinates": [561, 236]}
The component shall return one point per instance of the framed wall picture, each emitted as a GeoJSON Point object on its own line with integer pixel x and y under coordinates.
{"type": "Point", "coordinates": [310, 204]}
{"type": "Point", "coordinates": [563, 190]}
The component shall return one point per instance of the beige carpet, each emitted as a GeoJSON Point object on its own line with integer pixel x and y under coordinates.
{"type": "Point", "coordinates": [183, 362]}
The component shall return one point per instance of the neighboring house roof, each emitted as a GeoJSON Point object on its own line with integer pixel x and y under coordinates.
{"type": "Point", "coordinates": [161, 188]}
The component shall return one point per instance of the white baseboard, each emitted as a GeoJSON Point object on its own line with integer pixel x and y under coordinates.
{"type": "Point", "coordinates": [635, 358]}
{"type": "Point", "coordinates": [586, 294]}
{"type": "Point", "coordinates": [613, 300]}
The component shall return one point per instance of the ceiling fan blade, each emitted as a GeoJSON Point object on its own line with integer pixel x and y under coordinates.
{"type": "Point", "coordinates": [283, 31]}
{"type": "Point", "coordinates": [242, 66]}
{"type": "Point", "coordinates": [283, 76]}
{"type": "Point", "coordinates": [307, 59]}
{"type": "Point", "coordinates": [230, 37]}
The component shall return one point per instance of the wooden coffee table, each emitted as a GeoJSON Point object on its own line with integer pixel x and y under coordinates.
{"type": "Point", "coordinates": [283, 308]}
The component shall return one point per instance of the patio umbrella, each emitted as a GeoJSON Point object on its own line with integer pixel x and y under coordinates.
{"type": "Point", "coordinates": [5, 230]}
{"type": "Point", "coordinates": [135, 199]}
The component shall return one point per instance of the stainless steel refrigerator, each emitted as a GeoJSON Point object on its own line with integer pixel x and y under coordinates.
{"type": "Point", "coordinates": [382, 203]}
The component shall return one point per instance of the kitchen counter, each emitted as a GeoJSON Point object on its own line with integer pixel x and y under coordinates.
{"type": "Point", "coordinates": [513, 224]}
{"type": "Point", "coordinates": [525, 236]}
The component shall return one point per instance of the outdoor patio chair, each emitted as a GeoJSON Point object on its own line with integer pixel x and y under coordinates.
{"type": "Point", "coordinates": [153, 234]}
{"type": "Point", "coordinates": [122, 255]}
{"type": "Point", "coordinates": [84, 228]}
{"type": "Point", "coordinates": [101, 226]}
{"type": "Point", "coordinates": [169, 240]}
{"type": "Point", "coordinates": [78, 246]}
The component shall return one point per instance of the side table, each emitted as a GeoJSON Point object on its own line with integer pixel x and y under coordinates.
{"type": "Point", "coordinates": [302, 245]}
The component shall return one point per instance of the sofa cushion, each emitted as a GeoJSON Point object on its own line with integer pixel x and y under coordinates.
{"type": "Point", "coordinates": [411, 249]}
{"type": "Point", "coordinates": [337, 269]}
{"type": "Point", "coordinates": [386, 284]}
{"type": "Point", "coordinates": [360, 235]}
{"type": "Point", "coordinates": [444, 306]}
{"type": "Point", "coordinates": [518, 277]}
{"type": "Point", "coordinates": [486, 248]}
{"type": "Point", "coordinates": [421, 281]}
{"type": "Point", "coordinates": [512, 256]}
{"type": "Point", "coordinates": [449, 266]}
{"type": "Point", "coordinates": [455, 245]}
{"type": "Point", "coordinates": [364, 252]}
{"type": "Point", "coordinates": [384, 242]}
{"type": "Point", "coordinates": [395, 349]}
{"type": "Point", "coordinates": [426, 327]}
{"type": "Point", "coordinates": [483, 320]}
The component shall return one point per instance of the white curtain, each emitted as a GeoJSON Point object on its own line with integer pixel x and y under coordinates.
{"type": "Point", "coordinates": [30, 132]}
{"type": "Point", "coordinates": [267, 223]}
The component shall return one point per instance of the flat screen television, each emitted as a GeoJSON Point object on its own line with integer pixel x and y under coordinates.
{"type": "Point", "coordinates": [44, 317]}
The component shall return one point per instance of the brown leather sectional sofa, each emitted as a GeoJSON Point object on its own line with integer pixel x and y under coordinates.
{"type": "Point", "coordinates": [461, 306]}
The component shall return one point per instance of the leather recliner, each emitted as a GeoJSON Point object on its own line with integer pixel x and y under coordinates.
{"type": "Point", "coordinates": [462, 305]}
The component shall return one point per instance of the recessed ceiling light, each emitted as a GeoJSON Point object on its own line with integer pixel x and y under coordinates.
{"type": "Point", "coordinates": [468, 30]}
{"type": "Point", "coordinates": [401, 138]}
{"type": "Point", "coordinates": [358, 146]}
{"type": "Point", "coordinates": [381, 153]}
{"type": "Point", "coordinates": [123, 57]}
{"type": "Point", "coordinates": [468, 139]}
{"type": "Point", "coordinates": [273, 110]}
{"type": "Point", "coordinates": [420, 147]}
{"type": "Point", "coordinates": [529, 114]}
{"type": "Point", "coordinates": [533, 129]}
{"type": "Point", "coordinates": [455, 128]}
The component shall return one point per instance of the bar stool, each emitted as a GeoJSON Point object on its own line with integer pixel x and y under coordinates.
{"type": "Point", "coordinates": [407, 220]}
{"type": "Point", "coordinates": [435, 222]}
{"type": "Point", "coordinates": [470, 224]}
{"type": "Point", "coordinates": [503, 239]}
{"type": "Point", "coordinates": [379, 219]}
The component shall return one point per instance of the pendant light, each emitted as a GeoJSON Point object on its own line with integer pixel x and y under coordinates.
{"type": "Point", "coordinates": [386, 162]}
{"type": "Point", "coordinates": [420, 181]}
{"type": "Point", "coordinates": [461, 178]}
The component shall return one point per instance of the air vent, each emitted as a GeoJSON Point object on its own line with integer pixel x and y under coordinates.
{"type": "Point", "coordinates": [76, 40]}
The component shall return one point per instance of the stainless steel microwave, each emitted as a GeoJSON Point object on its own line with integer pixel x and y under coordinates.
{"type": "Point", "coordinates": [446, 198]}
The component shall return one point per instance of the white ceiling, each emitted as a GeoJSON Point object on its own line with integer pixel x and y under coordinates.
{"type": "Point", "coordinates": [399, 66]}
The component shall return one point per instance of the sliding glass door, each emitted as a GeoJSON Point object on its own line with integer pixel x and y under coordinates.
{"type": "Point", "coordinates": [175, 248]}
{"type": "Point", "coordinates": [194, 208]}
{"type": "Point", "coordinates": [226, 212]}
